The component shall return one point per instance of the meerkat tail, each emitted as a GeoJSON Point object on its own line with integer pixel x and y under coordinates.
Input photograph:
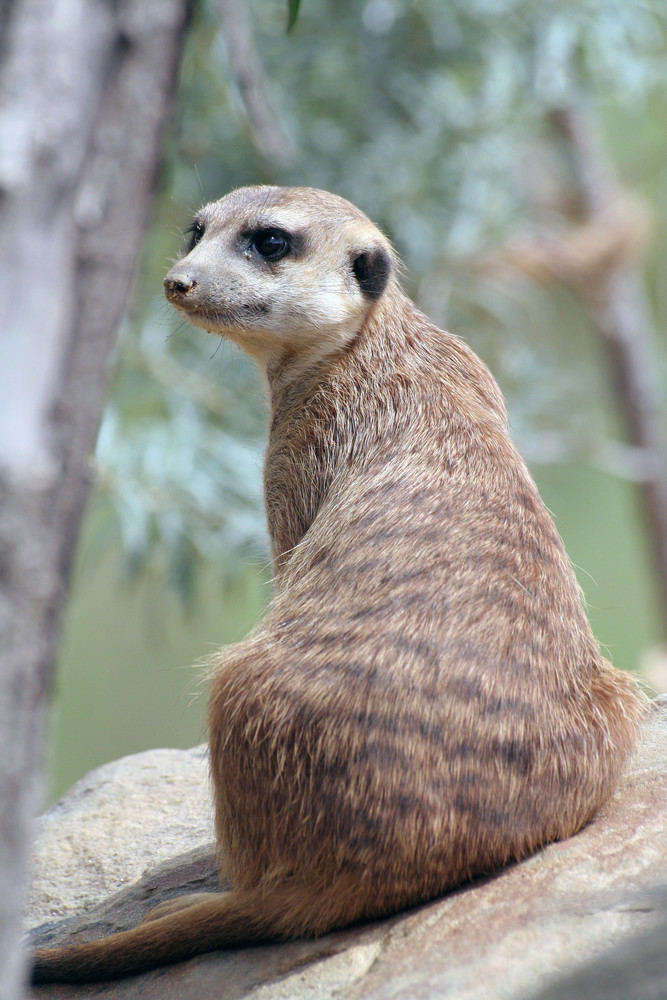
{"type": "Point", "coordinates": [225, 919]}
{"type": "Point", "coordinates": [213, 921]}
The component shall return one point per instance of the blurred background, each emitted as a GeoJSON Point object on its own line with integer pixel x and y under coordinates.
{"type": "Point", "coordinates": [516, 154]}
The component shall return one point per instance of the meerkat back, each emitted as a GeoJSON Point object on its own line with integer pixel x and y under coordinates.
{"type": "Point", "coordinates": [424, 700]}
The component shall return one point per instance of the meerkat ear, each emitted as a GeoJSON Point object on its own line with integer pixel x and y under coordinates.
{"type": "Point", "coordinates": [372, 268]}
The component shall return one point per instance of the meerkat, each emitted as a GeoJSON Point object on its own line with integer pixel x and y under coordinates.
{"type": "Point", "coordinates": [424, 701]}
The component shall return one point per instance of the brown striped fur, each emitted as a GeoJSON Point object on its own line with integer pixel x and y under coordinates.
{"type": "Point", "coordinates": [424, 700]}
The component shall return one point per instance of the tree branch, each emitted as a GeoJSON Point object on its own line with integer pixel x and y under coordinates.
{"type": "Point", "coordinates": [598, 258]}
{"type": "Point", "coordinates": [247, 72]}
{"type": "Point", "coordinates": [618, 305]}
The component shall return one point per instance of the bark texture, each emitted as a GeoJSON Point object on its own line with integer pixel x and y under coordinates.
{"type": "Point", "coordinates": [85, 89]}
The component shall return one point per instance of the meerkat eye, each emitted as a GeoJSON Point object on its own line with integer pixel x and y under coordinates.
{"type": "Point", "coordinates": [272, 244]}
{"type": "Point", "coordinates": [195, 231]}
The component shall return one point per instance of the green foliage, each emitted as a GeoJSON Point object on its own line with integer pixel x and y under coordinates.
{"type": "Point", "coordinates": [292, 13]}
{"type": "Point", "coordinates": [179, 452]}
{"type": "Point", "coordinates": [433, 117]}
{"type": "Point", "coordinates": [419, 111]}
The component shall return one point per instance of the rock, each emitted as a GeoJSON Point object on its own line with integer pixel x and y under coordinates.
{"type": "Point", "coordinates": [636, 968]}
{"type": "Point", "coordinates": [115, 825]}
{"type": "Point", "coordinates": [571, 911]}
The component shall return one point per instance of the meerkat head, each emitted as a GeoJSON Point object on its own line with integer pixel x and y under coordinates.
{"type": "Point", "coordinates": [281, 271]}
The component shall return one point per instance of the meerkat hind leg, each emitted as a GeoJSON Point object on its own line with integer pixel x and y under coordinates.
{"type": "Point", "coordinates": [177, 903]}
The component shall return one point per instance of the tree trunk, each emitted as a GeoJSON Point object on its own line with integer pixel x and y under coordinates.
{"type": "Point", "coordinates": [85, 89]}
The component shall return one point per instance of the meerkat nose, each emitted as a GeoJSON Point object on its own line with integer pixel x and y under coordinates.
{"type": "Point", "coordinates": [177, 285]}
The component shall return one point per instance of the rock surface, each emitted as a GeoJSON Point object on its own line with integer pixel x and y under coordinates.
{"type": "Point", "coordinates": [115, 825]}
{"type": "Point", "coordinates": [530, 928]}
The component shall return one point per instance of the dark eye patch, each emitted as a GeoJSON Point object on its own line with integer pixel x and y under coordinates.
{"type": "Point", "coordinates": [195, 231]}
{"type": "Point", "coordinates": [271, 244]}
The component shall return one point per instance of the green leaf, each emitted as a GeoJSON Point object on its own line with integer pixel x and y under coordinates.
{"type": "Point", "coordinates": [292, 13]}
